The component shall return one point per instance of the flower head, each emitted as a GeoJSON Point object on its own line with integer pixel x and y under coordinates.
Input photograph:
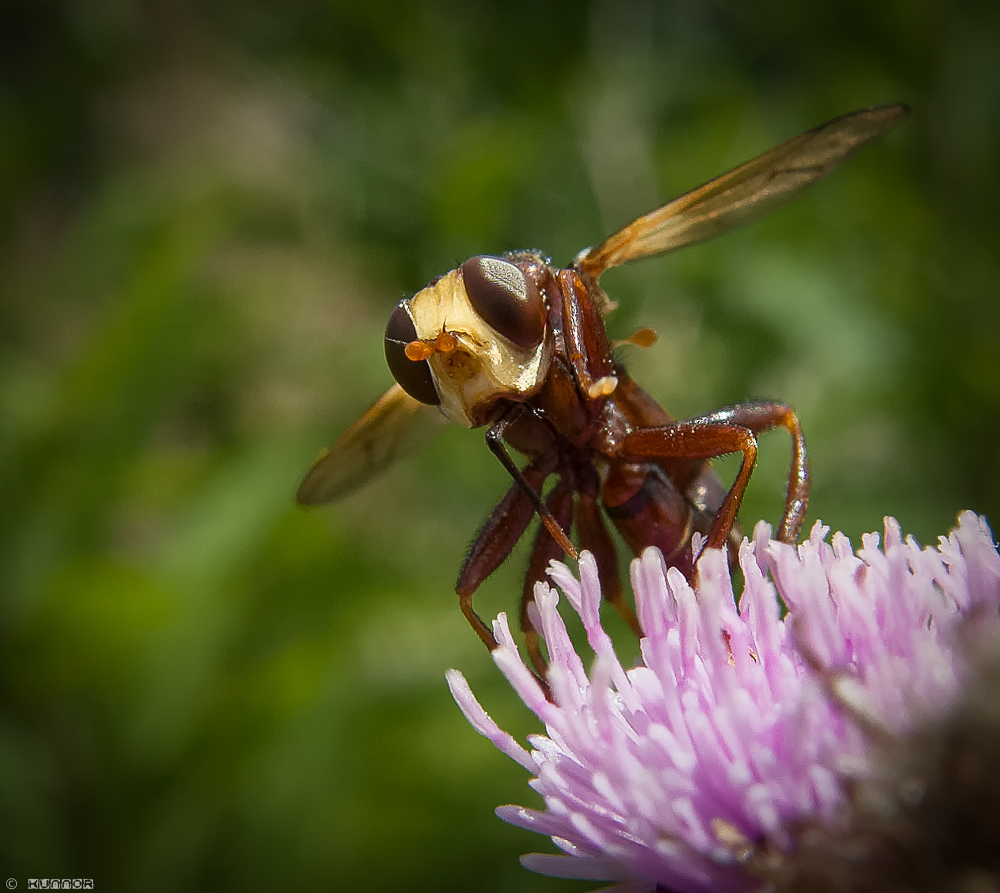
{"type": "Point", "coordinates": [704, 766]}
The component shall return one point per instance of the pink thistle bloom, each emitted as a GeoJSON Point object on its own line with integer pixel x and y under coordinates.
{"type": "Point", "coordinates": [699, 768]}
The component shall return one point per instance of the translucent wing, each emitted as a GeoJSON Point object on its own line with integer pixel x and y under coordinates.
{"type": "Point", "coordinates": [394, 426]}
{"type": "Point", "coordinates": [746, 193]}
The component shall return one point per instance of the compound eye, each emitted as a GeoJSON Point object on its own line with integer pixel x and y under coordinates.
{"type": "Point", "coordinates": [414, 377]}
{"type": "Point", "coordinates": [505, 298]}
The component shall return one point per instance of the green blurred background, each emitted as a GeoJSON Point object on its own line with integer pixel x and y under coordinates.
{"type": "Point", "coordinates": [206, 219]}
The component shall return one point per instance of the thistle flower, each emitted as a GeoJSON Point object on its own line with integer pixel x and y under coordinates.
{"type": "Point", "coordinates": [751, 748]}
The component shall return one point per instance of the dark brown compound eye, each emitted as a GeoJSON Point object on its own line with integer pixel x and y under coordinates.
{"type": "Point", "coordinates": [414, 377]}
{"type": "Point", "coordinates": [505, 298]}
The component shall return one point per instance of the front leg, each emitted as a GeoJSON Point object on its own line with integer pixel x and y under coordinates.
{"type": "Point", "coordinates": [545, 549]}
{"type": "Point", "coordinates": [496, 538]}
{"type": "Point", "coordinates": [732, 430]}
{"type": "Point", "coordinates": [494, 440]}
{"type": "Point", "coordinates": [509, 520]}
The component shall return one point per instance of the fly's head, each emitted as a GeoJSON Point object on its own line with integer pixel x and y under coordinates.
{"type": "Point", "coordinates": [477, 335]}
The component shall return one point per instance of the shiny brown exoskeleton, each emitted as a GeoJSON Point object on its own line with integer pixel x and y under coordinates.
{"type": "Point", "coordinates": [520, 346]}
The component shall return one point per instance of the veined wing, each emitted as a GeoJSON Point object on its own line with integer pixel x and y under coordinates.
{"type": "Point", "coordinates": [745, 193]}
{"type": "Point", "coordinates": [394, 426]}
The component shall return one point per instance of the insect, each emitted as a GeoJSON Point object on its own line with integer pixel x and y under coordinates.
{"type": "Point", "coordinates": [519, 346]}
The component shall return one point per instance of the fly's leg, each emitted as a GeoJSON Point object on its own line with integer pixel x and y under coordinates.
{"type": "Point", "coordinates": [732, 430]}
{"type": "Point", "coordinates": [545, 549]}
{"type": "Point", "coordinates": [594, 537]}
{"type": "Point", "coordinates": [494, 542]}
{"type": "Point", "coordinates": [476, 622]}
{"type": "Point", "coordinates": [494, 440]}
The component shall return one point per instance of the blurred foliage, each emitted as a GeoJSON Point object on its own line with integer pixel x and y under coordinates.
{"type": "Point", "coordinates": [206, 218]}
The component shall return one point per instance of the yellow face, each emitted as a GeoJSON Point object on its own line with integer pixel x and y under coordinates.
{"type": "Point", "coordinates": [498, 346]}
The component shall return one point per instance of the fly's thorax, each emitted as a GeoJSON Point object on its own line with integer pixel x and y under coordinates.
{"type": "Point", "coordinates": [499, 346]}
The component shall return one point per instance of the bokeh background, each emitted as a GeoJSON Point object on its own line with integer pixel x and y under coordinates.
{"type": "Point", "coordinates": [207, 215]}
